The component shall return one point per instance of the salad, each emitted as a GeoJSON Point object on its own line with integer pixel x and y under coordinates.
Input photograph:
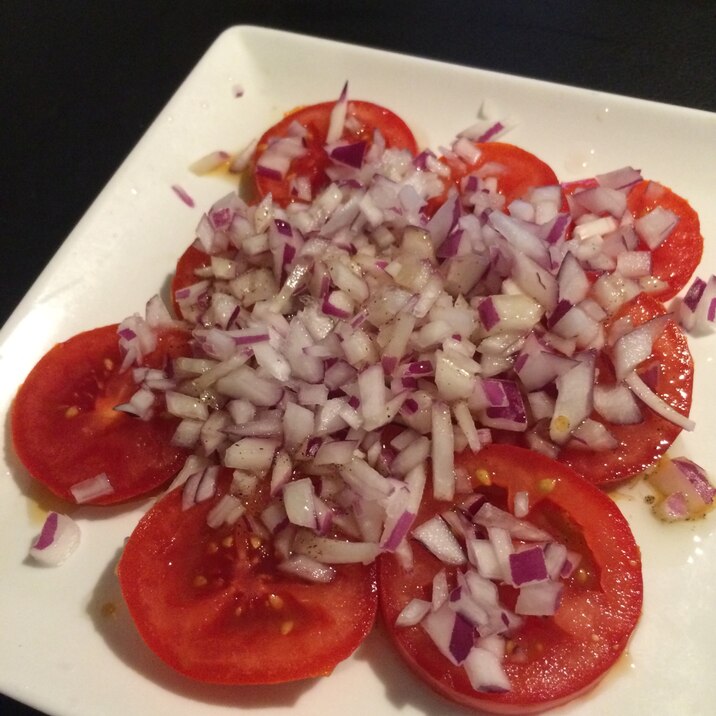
{"type": "Point", "coordinates": [393, 380]}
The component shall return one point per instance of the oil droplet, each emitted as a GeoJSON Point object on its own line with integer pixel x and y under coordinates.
{"type": "Point", "coordinates": [36, 513]}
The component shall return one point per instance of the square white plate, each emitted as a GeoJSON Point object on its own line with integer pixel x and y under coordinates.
{"type": "Point", "coordinates": [61, 650]}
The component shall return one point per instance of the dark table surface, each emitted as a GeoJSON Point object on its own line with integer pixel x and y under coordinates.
{"type": "Point", "coordinates": [82, 81]}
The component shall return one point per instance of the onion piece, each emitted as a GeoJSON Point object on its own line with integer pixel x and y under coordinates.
{"type": "Point", "coordinates": [92, 489]}
{"type": "Point", "coordinates": [413, 613]}
{"type": "Point", "coordinates": [227, 511]}
{"type": "Point", "coordinates": [681, 475]}
{"type": "Point", "coordinates": [58, 539]}
{"type": "Point", "coordinates": [653, 401]}
{"type": "Point", "coordinates": [485, 672]}
{"type": "Point", "coordinates": [541, 599]}
{"type": "Point", "coordinates": [334, 551]}
{"type": "Point", "coordinates": [307, 568]}
{"type": "Point", "coordinates": [437, 537]}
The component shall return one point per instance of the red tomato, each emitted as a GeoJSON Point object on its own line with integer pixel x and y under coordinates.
{"type": "Point", "coordinates": [677, 258]}
{"type": "Point", "coordinates": [519, 171]}
{"type": "Point", "coordinates": [316, 119]}
{"type": "Point", "coordinates": [550, 659]}
{"type": "Point", "coordinates": [212, 604]}
{"type": "Point", "coordinates": [65, 429]}
{"type": "Point", "coordinates": [191, 260]}
{"type": "Point", "coordinates": [642, 444]}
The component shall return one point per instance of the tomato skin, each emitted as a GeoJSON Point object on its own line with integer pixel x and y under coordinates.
{"type": "Point", "coordinates": [194, 627]}
{"type": "Point", "coordinates": [642, 444]}
{"type": "Point", "coordinates": [316, 119]}
{"type": "Point", "coordinates": [603, 598]}
{"type": "Point", "coordinates": [676, 259]}
{"type": "Point", "coordinates": [65, 429]}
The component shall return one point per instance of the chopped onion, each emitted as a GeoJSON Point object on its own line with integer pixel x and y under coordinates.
{"type": "Point", "coordinates": [682, 476]}
{"type": "Point", "coordinates": [436, 536]}
{"type": "Point", "coordinates": [92, 489]}
{"type": "Point", "coordinates": [58, 539]}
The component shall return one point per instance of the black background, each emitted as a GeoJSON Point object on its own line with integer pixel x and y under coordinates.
{"type": "Point", "coordinates": [81, 81]}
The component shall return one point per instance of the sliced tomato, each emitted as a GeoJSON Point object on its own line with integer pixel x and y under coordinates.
{"type": "Point", "coordinates": [549, 660]}
{"type": "Point", "coordinates": [185, 274]}
{"type": "Point", "coordinates": [363, 118]}
{"type": "Point", "coordinates": [213, 605]}
{"type": "Point", "coordinates": [516, 170]}
{"type": "Point", "coordinates": [676, 259]}
{"type": "Point", "coordinates": [641, 445]}
{"type": "Point", "coordinates": [65, 429]}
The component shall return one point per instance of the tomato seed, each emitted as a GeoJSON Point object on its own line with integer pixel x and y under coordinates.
{"type": "Point", "coordinates": [228, 541]}
{"type": "Point", "coordinates": [72, 411]}
{"type": "Point", "coordinates": [483, 477]}
{"type": "Point", "coordinates": [546, 484]}
{"type": "Point", "coordinates": [255, 541]}
{"type": "Point", "coordinates": [108, 364]}
{"type": "Point", "coordinates": [212, 548]}
{"type": "Point", "coordinates": [200, 581]}
{"type": "Point", "coordinates": [275, 601]}
{"type": "Point", "coordinates": [561, 423]}
{"type": "Point", "coordinates": [286, 628]}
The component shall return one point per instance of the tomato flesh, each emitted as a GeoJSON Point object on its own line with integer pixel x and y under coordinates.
{"type": "Point", "coordinates": [212, 604]}
{"type": "Point", "coordinates": [550, 660]}
{"type": "Point", "coordinates": [640, 445]}
{"type": "Point", "coordinates": [676, 259]}
{"type": "Point", "coordinates": [65, 429]}
{"type": "Point", "coordinates": [364, 118]}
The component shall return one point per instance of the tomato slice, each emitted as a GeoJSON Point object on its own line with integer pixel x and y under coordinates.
{"type": "Point", "coordinates": [550, 659]}
{"type": "Point", "coordinates": [516, 170]}
{"type": "Point", "coordinates": [212, 604]}
{"type": "Point", "coordinates": [676, 259]}
{"type": "Point", "coordinates": [640, 445]}
{"type": "Point", "coordinates": [65, 429]}
{"type": "Point", "coordinates": [364, 118]}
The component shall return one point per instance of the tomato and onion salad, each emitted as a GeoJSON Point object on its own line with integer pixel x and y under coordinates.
{"type": "Point", "coordinates": [213, 604]}
{"type": "Point", "coordinates": [377, 310]}
{"type": "Point", "coordinates": [69, 433]}
{"type": "Point", "coordinates": [547, 660]}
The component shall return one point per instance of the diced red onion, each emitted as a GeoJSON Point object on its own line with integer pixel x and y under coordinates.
{"type": "Point", "coordinates": [541, 599]}
{"type": "Point", "coordinates": [656, 226]}
{"type": "Point", "coordinates": [680, 475]}
{"type": "Point", "coordinates": [652, 400]}
{"type": "Point", "coordinates": [307, 568]}
{"type": "Point", "coordinates": [58, 539]}
{"type": "Point", "coordinates": [413, 613]}
{"type": "Point", "coordinates": [436, 536]}
{"type": "Point", "coordinates": [485, 671]}
{"type": "Point", "coordinates": [298, 500]}
{"type": "Point", "coordinates": [334, 551]}
{"type": "Point", "coordinates": [92, 489]}
{"type": "Point", "coordinates": [209, 162]}
{"type": "Point", "coordinates": [227, 511]}
{"type": "Point", "coordinates": [183, 195]}
{"type": "Point", "coordinates": [252, 454]}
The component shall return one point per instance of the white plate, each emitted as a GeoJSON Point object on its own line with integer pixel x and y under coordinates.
{"type": "Point", "coordinates": [60, 651]}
